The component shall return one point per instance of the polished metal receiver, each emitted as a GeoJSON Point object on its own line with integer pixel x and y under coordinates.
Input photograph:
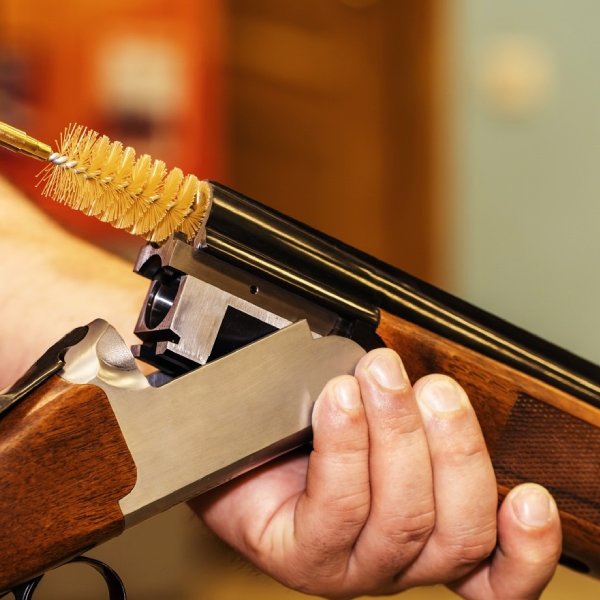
{"type": "Point", "coordinates": [43, 368]}
{"type": "Point", "coordinates": [200, 308]}
{"type": "Point", "coordinates": [215, 422]}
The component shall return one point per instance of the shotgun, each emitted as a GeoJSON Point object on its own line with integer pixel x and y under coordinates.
{"type": "Point", "coordinates": [101, 447]}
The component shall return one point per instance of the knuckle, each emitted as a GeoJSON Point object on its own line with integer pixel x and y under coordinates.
{"type": "Point", "coordinates": [470, 548]}
{"type": "Point", "coordinates": [465, 447]}
{"type": "Point", "coordinates": [400, 539]}
{"type": "Point", "coordinates": [403, 530]}
{"type": "Point", "coordinates": [402, 432]}
{"type": "Point", "coordinates": [257, 544]}
{"type": "Point", "coordinates": [542, 556]}
{"type": "Point", "coordinates": [350, 502]}
{"type": "Point", "coordinates": [348, 516]}
{"type": "Point", "coordinates": [406, 424]}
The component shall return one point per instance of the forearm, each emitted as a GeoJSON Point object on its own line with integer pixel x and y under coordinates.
{"type": "Point", "coordinates": [53, 282]}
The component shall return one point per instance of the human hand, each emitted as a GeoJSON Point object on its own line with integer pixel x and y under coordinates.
{"type": "Point", "coordinates": [398, 492]}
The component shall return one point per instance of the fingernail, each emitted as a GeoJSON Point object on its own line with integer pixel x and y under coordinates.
{"type": "Point", "coordinates": [388, 371]}
{"type": "Point", "coordinates": [347, 395]}
{"type": "Point", "coordinates": [532, 506]}
{"type": "Point", "coordinates": [441, 396]}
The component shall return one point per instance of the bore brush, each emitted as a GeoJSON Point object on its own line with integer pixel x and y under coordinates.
{"type": "Point", "coordinates": [104, 179]}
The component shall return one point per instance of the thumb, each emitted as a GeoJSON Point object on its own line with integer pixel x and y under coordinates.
{"type": "Point", "coordinates": [529, 545]}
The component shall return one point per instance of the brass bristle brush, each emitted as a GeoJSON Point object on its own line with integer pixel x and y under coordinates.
{"type": "Point", "coordinates": [105, 180]}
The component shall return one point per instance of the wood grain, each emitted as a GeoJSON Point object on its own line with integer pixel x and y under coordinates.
{"type": "Point", "coordinates": [534, 432]}
{"type": "Point", "coordinates": [64, 465]}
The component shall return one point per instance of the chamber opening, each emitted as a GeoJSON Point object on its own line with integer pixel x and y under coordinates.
{"type": "Point", "coordinates": [161, 298]}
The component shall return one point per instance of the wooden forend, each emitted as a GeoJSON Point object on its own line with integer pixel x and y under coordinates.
{"type": "Point", "coordinates": [64, 465]}
{"type": "Point", "coordinates": [533, 431]}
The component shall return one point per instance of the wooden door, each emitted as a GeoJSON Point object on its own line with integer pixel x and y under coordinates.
{"type": "Point", "coordinates": [333, 118]}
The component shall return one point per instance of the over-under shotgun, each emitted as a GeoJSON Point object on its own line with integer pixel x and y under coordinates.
{"type": "Point", "coordinates": [89, 446]}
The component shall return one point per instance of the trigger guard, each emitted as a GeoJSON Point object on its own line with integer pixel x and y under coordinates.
{"type": "Point", "coordinates": [116, 589]}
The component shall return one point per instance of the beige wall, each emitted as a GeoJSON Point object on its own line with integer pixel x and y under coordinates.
{"type": "Point", "coordinates": [524, 152]}
{"type": "Point", "coordinates": [523, 149]}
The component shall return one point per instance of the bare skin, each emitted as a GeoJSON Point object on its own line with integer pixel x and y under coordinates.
{"type": "Point", "coordinates": [398, 492]}
{"type": "Point", "coordinates": [52, 282]}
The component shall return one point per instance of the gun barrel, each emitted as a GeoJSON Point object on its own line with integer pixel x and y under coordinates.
{"type": "Point", "coordinates": [357, 286]}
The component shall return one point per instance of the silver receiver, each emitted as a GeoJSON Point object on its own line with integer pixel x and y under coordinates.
{"type": "Point", "coordinates": [199, 308]}
{"type": "Point", "coordinates": [218, 421]}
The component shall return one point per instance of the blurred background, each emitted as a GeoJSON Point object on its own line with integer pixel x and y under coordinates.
{"type": "Point", "coordinates": [459, 141]}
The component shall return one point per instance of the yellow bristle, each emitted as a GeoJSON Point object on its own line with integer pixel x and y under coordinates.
{"type": "Point", "coordinates": [152, 191]}
{"type": "Point", "coordinates": [93, 190]}
{"type": "Point", "coordinates": [103, 179]}
{"type": "Point", "coordinates": [119, 198]}
{"type": "Point", "coordinates": [139, 175]}
{"type": "Point", "coordinates": [124, 168]}
{"type": "Point", "coordinates": [97, 157]}
{"type": "Point", "coordinates": [155, 179]}
{"type": "Point", "coordinates": [194, 219]}
{"type": "Point", "coordinates": [114, 158]}
{"type": "Point", "coordinates": [84, 152]}
{"type": "Point", "coordinates": [76, 136]}
{"type": "Point", "coordinates": [159, 207]}
{"type": "Point", "coordinates": [177, 212]}
{"type": "Point", "coordinates": [64, 187]}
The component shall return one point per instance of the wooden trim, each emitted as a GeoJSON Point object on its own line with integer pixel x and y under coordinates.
{"type": "Point", "coordinates": [64, 466]}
